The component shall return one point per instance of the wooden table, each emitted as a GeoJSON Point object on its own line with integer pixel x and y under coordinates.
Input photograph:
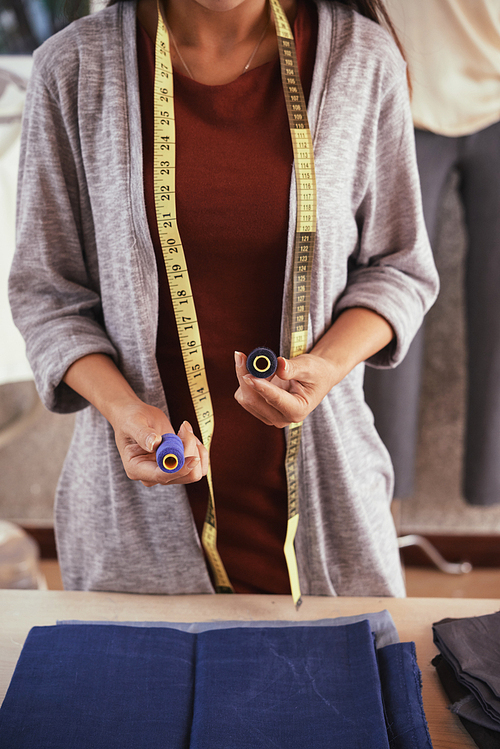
{"type": "Point", "coordinates": [21, 610]}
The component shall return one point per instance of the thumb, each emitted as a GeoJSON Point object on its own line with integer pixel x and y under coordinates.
{"type": "Point", "coordinates": [147, 438]}
{"type": "Point", "coordinates": [287, 368]}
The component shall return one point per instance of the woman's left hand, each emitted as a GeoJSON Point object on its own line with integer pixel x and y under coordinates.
{"type": "Point", "coordinates": [300, 384]}
{"type": "Point", "coordinates": [295, 390]}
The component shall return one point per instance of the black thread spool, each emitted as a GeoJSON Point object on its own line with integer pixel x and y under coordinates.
{"type": "Point", "coordinates": [262, 362]}
{"type": "Point", "coordinates": [170, 453]}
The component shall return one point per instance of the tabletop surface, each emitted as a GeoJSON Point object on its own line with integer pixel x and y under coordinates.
{"type": "Point", "coordinates": [413, 617]}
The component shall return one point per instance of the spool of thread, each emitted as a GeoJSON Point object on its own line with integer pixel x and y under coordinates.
{"type": "Point", "coordinates": [262, 362]}
{"type": "Point", "coordinates": [170, 454]}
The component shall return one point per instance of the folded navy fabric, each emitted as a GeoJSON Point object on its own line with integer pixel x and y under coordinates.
{"type": "Point", "coordinates": [290, 687]}
{"type": "Point", "coordinates": [99, 687]}
{"type": "Point", "coordinates": [107, 687]}
{"type": "Point", "coordinates": [402, 697]}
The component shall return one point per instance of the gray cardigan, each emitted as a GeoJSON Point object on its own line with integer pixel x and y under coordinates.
{"type": "Point", "coordinates": [84, 280]}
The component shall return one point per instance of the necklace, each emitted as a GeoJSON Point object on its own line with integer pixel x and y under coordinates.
{"type": "Point", "coordinates": [245, 68]}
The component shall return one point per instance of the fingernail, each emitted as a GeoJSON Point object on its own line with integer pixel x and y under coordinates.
{"type": "Point", "coordinates": [238, 358]}
{"type": "Point", "coordinates": [249, 380]}
{"type": "Point", "coordinates": [187, 426]}
{"type": "Point", "coordinates": [191, 463]}
{"type": "Point", "coordinates": [151, 439]}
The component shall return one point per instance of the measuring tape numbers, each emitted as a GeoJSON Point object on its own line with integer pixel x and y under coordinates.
{"type": "Point", "coordinates": [303, 254]}
{"type": "Point", "coordinates": [178, 278]}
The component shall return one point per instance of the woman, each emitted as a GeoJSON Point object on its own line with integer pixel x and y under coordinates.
{"type": "Point", "coordinates": [102, 330]}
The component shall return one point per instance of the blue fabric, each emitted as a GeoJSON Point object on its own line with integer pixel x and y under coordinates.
{"type": "Point", "coordinates": [105, 687]}
{"type": "Point", "coordinates": [402, 697]}
{"type": "Point", "coordinates": [293, 687]}
{"type": "Point", "coordinates": [100, 687]}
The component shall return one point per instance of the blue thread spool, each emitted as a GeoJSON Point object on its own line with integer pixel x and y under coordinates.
{"type": "Point", "coordinates": [262, 362]}
{"type": "Point", "coordinates": [170, 454]}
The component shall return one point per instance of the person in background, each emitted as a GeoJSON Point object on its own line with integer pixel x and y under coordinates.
{"type": "Point", "coordinates": [453, 52]}
{"type": "Point", "coordinates": [89, 291]}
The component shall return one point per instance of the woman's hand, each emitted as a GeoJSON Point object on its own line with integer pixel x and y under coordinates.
{"type": "Point", "coordinates": [300, 384]}
{"type": "Point", "coordinates": [295, 390]}
{"type": "Point", "coordinates": [138, 427]}
{"type": "Point", "coordinates": [138, 432]}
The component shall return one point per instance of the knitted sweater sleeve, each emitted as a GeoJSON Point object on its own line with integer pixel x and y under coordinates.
{"type": "Point", "coordinates": [54, 287]}
{"type": "Point", "coordinates": [392, 270]}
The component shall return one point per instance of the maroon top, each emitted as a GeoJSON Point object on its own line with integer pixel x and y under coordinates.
{"type": "Point", "coordinates": [234, 162]}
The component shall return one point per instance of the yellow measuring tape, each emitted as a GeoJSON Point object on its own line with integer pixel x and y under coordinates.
{"type": "Point", "coordinates": [303, 253]}
{"type": "Point", "coordinates": [178, 278]}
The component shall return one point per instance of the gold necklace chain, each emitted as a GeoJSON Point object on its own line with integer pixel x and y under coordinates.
{"type": "Point", "coordinates": [245, 67]}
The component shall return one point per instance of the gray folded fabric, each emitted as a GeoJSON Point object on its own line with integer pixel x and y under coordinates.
{"type": "Point", "coordinates": [475, 643]}
{"type": "Point", "coordinates": [471, 646]}
{"type": "Point", "coordinates": [381, 623]}
{"type": "Point", "coordinates": [470, 709]}
{"type": "Point", "coordinates": [484, 737]}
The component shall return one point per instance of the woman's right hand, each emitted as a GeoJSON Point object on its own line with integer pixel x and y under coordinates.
{"type": "Point", "coordinates": [138, 427]}
{"type": "Point", "coordinates": [138, 431]}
